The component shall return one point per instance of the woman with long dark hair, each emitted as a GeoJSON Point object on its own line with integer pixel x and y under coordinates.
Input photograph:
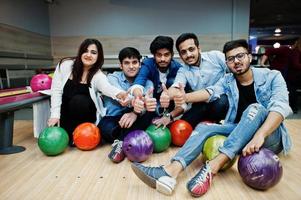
{"type": "Point", "coordinates": [77, 86]}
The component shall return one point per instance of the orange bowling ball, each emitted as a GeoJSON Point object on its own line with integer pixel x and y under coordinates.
{"type": "Point", "coordinates": [86, 136]}
{"type": "Point", "coordinates": [180, 131]}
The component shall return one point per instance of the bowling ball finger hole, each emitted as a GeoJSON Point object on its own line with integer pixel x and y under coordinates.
{"type": "Point", "coordinates": [129, 147]}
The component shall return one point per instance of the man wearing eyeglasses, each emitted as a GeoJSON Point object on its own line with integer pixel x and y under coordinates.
{"type": "Point", "coordinates": [258, 104]}
{"type": "Point", "coordinates": [200, 71]}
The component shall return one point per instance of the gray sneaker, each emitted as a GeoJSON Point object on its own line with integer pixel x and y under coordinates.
{"type": "Point", "coordinates": [155, 177]}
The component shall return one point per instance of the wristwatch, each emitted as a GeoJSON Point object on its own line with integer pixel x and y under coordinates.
{"type": "Point", "coordinates": [169, 116]}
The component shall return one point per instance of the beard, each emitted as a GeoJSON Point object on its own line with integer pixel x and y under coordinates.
{"type": "Point", "coordinates": [240, 71]}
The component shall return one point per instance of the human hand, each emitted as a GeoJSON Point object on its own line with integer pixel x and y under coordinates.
{"type": "Point", "coordinates": [254, 145]}
{"type": "Point", "coordinates": [127, 120]}
{"type": "Point", "coordinates": [124, 98]}
{"type": "Point", "coordinates": [150, 101]}
{"type": "Point", "coordinates": [138, 104]}
{"type": "Point", "coordinates": [162, 121]}
{"type": "Point", "coordinates": [164, 98]}
{"type": "Point", "coordinates": [179, 98]}
{"type": "Point", "coordinates": [53, 121]}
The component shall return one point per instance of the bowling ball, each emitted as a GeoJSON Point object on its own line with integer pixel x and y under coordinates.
{"type": "Point", "coordinates": [137, 146]}
{"type": "Point", "coordinates": [40, 82]}
{"type": "Point", "coordinates": [210, 149]}
{"type": "Point", "coordinates": [180, 132]}
{"type": "Point", "coordinates": [53, 141]}
{"type": "Point", "coordinates": [260, 170]}
{"type": "Point", "coordinates": [86, 136]}
{"type": "Point", "coordinates": [160, 136]}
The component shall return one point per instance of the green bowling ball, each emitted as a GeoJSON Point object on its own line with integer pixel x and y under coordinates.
{"type": "Point", "coordinates": [161, 137]}
{"type": "Point", "coordinates": [210, 149]}
{"type": "Point", "coordinates": [53, 141]}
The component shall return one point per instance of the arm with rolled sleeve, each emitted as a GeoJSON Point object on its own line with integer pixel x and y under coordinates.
{"type": "Point", "coordinates": [216, 90]}
{"type": "Point", "coordinates": [278, 108]}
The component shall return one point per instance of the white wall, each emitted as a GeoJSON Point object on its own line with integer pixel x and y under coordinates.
{"type": "Point", "coordinates": [148, 17]}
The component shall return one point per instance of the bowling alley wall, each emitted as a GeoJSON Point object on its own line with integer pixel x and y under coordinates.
{"type": "Point", "coordinates": [56, 28]}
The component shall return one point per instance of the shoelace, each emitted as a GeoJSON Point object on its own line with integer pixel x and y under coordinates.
{"type": "Point", "coordinates": [203, 175]}
{"type": "Point", "coordinates": [118, 145]}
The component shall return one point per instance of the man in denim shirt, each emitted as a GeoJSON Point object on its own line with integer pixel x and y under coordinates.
{"type": "Point", "coordinates": [161, 70]}
{"type": "Point", "coordinates": [258, 104]}
{"type": "Point", "coordinates": [200, 71]}
{"type": "Point", "coordinates": [119, 120]}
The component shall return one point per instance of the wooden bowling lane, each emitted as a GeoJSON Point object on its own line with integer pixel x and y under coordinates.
{"type": "Point", "coordinates": [77, 174]}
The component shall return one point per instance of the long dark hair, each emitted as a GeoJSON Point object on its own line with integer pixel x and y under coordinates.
{"type": "Point", "coordinates": [77, 70]}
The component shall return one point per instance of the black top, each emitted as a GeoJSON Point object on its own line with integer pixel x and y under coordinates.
{"type": "Point", "coordinates": [77, 106]}
{"type": "Point", "coordinates": [246, 97]}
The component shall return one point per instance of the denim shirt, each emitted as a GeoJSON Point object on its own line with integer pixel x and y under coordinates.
{"type": "Point", "coordinates": [119, 80]}
{"type": "Point", "coordinates": [149, 71]}
{"type": "Point", "coordinates": [212, 68]}
{"type": "Point", "coordinates": [270, 91]}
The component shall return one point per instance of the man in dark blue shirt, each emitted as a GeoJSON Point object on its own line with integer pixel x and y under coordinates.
{"type": "Point", "coordinates": [161, 69]}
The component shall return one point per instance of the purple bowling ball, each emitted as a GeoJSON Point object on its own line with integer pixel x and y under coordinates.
{"type": "Point", "coordinates": [260, 170]}
{"type": "Point", "coordinates": [137, 146]}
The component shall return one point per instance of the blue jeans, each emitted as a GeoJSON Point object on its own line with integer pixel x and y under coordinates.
{"type": "Point", "coordinates": [238, 135]}
{"type": "Point", "coordinates": [111, 130]}
{"type": "Point", "coordinates": [200, 111]}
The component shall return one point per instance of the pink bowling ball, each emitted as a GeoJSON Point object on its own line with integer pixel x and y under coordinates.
{"type": "Point", "coordinates": [40, 82]}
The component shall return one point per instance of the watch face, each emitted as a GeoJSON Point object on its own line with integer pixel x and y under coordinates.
{"type": "Point", "coordinates": [167, 114]}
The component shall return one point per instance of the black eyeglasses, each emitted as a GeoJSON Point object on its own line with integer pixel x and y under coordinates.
{"type": "Point", "coordinates": [239, 56]}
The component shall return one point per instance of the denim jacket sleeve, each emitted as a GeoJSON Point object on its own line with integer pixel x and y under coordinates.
{"type": "Point", "coordinates": [217, 89]}
{"type": "Point", "coordinates": [143, 74]}
{"type": "Point", "coordinates": [149, 84]}
{"type": "Point", "coordinates": [278, 101]}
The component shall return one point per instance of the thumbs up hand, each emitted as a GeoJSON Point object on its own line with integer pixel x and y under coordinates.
{"type": "Point", "coordinates": [138, 104]}
{"type": "Point", "coordinates": [180, 96]}
{"type": "Point", "coordinates": [150, 101]}
{"type": "Point", "coordinates": [164, 98]}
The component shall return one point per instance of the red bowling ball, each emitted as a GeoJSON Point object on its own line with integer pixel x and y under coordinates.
{"type": "Point", "coordinates": [180, 132]}
{"type": "Point", "coordinates": [40, 82]}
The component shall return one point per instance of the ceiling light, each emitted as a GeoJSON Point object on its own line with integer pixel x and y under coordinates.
{"type": "Point", "coordinates": [276, 45]}
{"type": "Point", "coordinates": [277, 34]}
{"type": "Point", "coordinates": [277, 30]}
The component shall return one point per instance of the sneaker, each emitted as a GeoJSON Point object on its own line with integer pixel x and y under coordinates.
{"type": "Point", "coordinates": [201, 182]}
{"type": "Point", "coordinates": [117, 154]}
{"type": "Point", "coordinates": [155, 177]}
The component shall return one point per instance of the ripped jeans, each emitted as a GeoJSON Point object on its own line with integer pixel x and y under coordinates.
{"type": "Point", "coordinates": [238, 136]}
